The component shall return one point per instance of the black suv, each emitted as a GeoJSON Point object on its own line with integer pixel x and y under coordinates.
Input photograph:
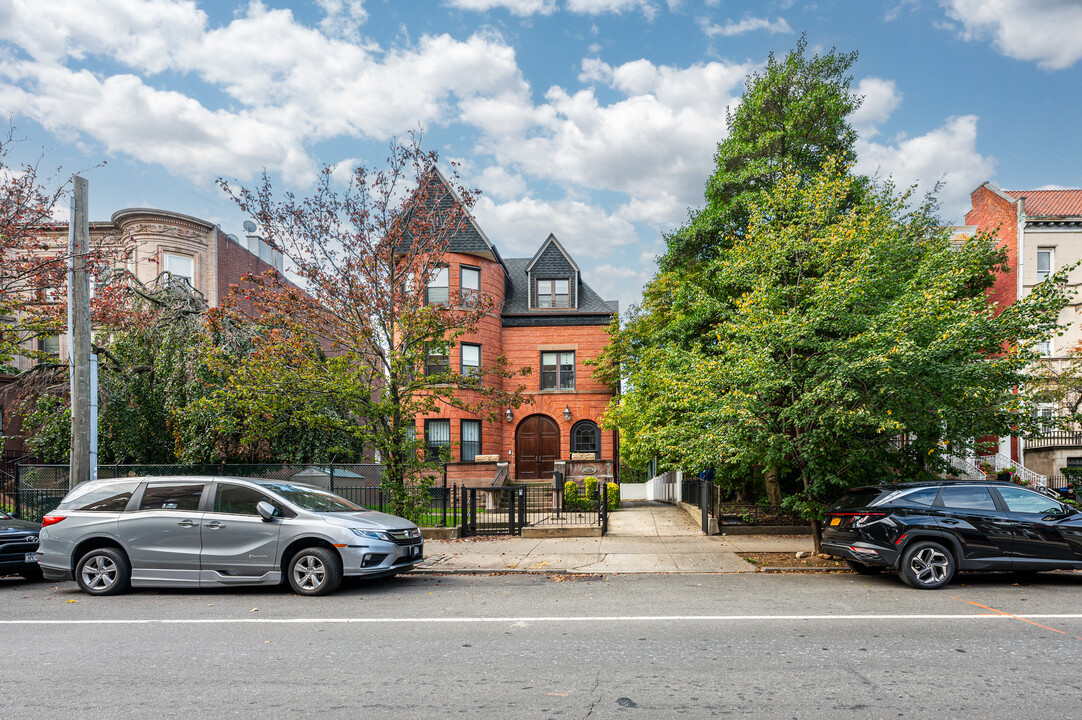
{"type": "Point", "coordinates": [18, 547]}
{"type": "Point", "coordinates": [928, 531]}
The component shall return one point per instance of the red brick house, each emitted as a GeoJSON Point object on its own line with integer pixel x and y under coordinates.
{"type": "Point", "coordinates": [1041, 231]}
{"type": "Point", "coordinates": [546, 318]}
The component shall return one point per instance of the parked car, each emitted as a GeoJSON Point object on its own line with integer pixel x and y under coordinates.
{"type": "Point", "coordinates": [215, 532]}
{"type": "Point", "coordinates": [18, 547]}
{"type": "Point", "coordinates": [928, 531]}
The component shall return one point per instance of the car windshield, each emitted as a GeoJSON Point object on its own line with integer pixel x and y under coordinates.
{"type": "Point", "coordinates": [313, 499]}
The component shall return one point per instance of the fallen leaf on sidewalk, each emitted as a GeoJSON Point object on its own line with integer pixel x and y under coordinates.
{"type": "Point", "coordinates": [71, 601]}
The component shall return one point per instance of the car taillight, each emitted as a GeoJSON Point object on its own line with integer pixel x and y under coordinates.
{"type": "Point", "coordinates": [858, 518]}
{"type": "Point", "coordinates": [51, 520]}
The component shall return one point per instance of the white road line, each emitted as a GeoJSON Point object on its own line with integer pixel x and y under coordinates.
{"type": "Point", "coordinates": [543, 619]}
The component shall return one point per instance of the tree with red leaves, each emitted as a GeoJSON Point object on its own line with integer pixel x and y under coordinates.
{"type": "Point", "coordinates": [358, 325]}
{"type": "Point", "coordinates": [33, 263]}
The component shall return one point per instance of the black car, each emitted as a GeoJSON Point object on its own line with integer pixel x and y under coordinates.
{"type": "Point", "coordinates": [928, 531]}
{"type": "Point", "coordinates": [18, 547]}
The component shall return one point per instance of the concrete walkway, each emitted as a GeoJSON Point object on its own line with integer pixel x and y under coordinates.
{"type": "Point", "coordinates": [644, 537]}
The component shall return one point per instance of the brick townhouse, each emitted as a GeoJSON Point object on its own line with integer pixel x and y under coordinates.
{"type": "Point", "coordinates": [544, 317]}
{"type": "Point", "coordinates": [1041, 231]}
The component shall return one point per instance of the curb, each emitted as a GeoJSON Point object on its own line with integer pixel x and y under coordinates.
{"type": "Point", "coordinates": [781, 570]}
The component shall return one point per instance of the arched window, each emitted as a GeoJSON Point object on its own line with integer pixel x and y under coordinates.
{"type": "Point", "coordinates": [585, 437]}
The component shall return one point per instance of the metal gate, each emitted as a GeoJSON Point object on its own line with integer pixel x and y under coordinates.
{"type": "Point", "coordinates": [507, 510]}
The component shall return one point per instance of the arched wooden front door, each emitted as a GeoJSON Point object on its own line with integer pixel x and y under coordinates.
{"type": "Point", "coordinates": [537, 446]}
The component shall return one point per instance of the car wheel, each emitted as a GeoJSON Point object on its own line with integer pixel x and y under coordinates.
{"type": "Point", "coordinates": [104, 571]}
{"type": "Point", "coordinates": [32, 574]}
{"type": "Point", "coordinates": [863, 568]}
{"type": "Point", "coordinates": [315, 571]}
{"type": "Point", "coordinates": [926, 565]}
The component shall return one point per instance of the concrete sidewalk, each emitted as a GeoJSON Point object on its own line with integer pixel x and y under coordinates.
{"type": "Point", "coordinates": [644, 537]}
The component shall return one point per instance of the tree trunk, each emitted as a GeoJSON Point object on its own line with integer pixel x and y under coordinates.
{"type": "Point", "coordinates": [773, 490]}
{"type": "Point", "coordinates": [817, 537]}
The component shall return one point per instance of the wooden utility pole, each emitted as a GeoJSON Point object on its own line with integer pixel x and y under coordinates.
{"type": "Point", "coordinates": [79, 333]}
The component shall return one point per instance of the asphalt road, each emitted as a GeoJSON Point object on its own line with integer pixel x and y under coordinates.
{"type": "Point", "coordinates": [548, 646]}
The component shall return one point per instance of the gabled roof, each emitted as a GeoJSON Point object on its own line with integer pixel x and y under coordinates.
{"type": "Point", "coordinates": [1050, 203]}
{"type": "Point", "coordinates": [551, 240]}
{"type": "Point", "coordinates": [470, 238]}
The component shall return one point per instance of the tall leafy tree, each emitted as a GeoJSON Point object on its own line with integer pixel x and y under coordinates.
{"type": "Point", "coordinates": [860, 347]}
{"type": "Point", "coordinates": [792, 117]}
{"type": "Point", "coordinates": [362, 326]}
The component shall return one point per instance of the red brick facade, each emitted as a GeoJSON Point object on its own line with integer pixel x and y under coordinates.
{"type": "Point", "coordinates": [993, 212]}
{"type": "Point", "coordinates": [521, 339]}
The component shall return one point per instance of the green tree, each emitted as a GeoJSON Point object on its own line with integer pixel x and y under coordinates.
{"type": "Point", "coordinates": [853, 325]}
{"type": "Point", "coordinates": [792, 117]}
{"type": "Point", "coordinates": [164, 393]}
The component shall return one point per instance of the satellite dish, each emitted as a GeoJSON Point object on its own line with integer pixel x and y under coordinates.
{"type": "Point", "coordinates": [249, 226]}
{"type": "Point", "coordinates": [233, 237]}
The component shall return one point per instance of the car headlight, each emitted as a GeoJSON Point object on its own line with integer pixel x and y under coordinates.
{"type": "Point", "coordinates": [372, 534]}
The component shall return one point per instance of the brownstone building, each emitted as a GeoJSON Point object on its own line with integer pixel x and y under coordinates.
{"type": "Point", "coordinates": [161, 240]}
{"type": "Point", "coordinates": [545, 317]}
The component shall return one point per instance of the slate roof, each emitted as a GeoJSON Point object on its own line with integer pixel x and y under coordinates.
{"type": "Point", "coordinates": [1050, 203]}
{"type": "Point", "coordinates": [516, 298]}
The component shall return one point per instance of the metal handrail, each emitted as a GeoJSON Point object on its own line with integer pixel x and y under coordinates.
{"type": "Point", "coordinates": [999, 462]}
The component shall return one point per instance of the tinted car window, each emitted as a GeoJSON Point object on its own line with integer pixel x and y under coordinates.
{"type": "Point", "coordinates": [111, 498]}
{"type": "Point", "coordinates": [922, 497]}
{"type": "Point", "coordinates": [854, 499]}
{"type": "Point", "coordinates": [1021, 500]}
{"type": "Point", "coordinates": [171, 497]}
{"type": "Point", "coordinates": [238, 500]}
{"type": "Point", "coordinates": [967, 498]}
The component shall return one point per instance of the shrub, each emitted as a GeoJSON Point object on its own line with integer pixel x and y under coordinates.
{"type": "Point", "coordinates": [613, 495]}
{"type": "Point", "coordinates": [572, 501]}
{"type": "Point", "coordinates": [591, 487]}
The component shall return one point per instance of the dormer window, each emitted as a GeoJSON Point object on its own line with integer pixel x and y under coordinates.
{"type": "Point", "coordinates": [552, 294]}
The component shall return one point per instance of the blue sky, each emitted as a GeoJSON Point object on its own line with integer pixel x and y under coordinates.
{"type": "Point", "coordinates": [593, 119]}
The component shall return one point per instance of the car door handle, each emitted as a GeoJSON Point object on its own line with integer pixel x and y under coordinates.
{"type": "Point", "coordinates": [187, 523]}
{"type": "Point", "coordinates": [213, 525]}
{"type": "Point", "coordinates": [949, 522]}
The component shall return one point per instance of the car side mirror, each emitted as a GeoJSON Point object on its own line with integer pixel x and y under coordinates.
{"type": "Point", "coordinates": [266, 510]}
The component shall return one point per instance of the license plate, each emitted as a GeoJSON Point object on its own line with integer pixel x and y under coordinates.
{"type": "Point", "coordinates": [836, 521]}
{"type": "Point", "coordinates": [31, 557]}
{"type": "Point", "coordinates": [415, 551]}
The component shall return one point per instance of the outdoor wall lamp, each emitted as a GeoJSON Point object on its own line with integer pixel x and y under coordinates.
{"type": "Point", "coordinates": [509, 415]}
{"type": "Point", "coordinates": [567, 413]}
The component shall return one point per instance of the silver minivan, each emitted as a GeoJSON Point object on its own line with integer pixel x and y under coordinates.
{"type": "Point", "coordinates": [219, 531]}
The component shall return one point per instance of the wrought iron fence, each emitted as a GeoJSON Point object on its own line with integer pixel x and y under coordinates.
{"type": "Point", "coordinates": [730, 513]}
{"type": "Point", "coordinates": [38, 489]}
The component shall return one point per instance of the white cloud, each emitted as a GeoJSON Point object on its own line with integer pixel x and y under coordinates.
{"type": "Point", "coordinates": [515, 7]}
{"type": "Point", "coordinates": [165, 127]}
{"type": "Point", "coordinates": [881, 99]}
{"type": "Point", "coordinates": [599, 7]}
{"type": "Point", "coordinates": [1046, 31]}
{"type": "Point", "coordinates": [142, 33]}
{"type": "Point", "coordinates": [655, 144]}
{"type": "Point", "coordinates": [496, 182]}
{"type": "Point", "coordinates": [290, 84]}
{"type": "Point", "coordinates": [518, 227]}
{"type": "Point", "coordinates": [947, 154]}
{"type": "Point", "coordinates": [748, 24]}
{"type": "Point", "coordinates": [343, 17]}
{"type": "Point", "coordinates": [614, 282]}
